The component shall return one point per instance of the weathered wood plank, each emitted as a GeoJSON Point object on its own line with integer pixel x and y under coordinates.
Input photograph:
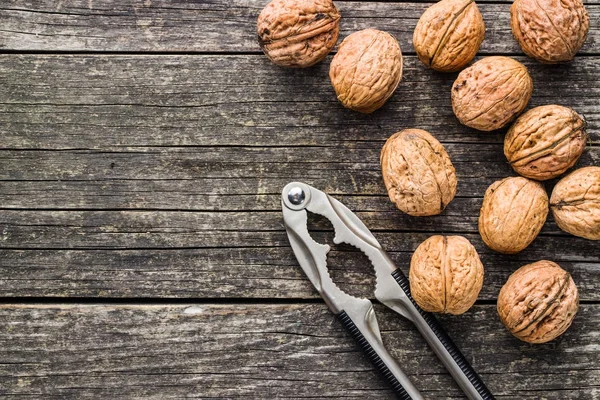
{"type": "Point", "coordinates": [166, 26]}
{"type": "Point", "coordinates": [91, 102]}
{"type": "Point", "coordinates": [219, 178]}
{"type": "Point", "coordinates": [231, 254]}
{"type": "Point", "coordinates": [266, 351]}
{"type": "Point", "coordinates": [161, 229]}
{"type": "Point", "coordinates": [233, 162]}
{"type": "Point", "coordinates": [238, 171]}
{"type": "Point", "coordinates": [244, 272]}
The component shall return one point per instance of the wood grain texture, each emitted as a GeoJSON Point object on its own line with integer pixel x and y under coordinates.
{"type": "Point", "coordinates": [232, 254]}
{"type": "Point", "coordinates": [215, 26]}
{"type": "Point", "coordinates": [173, 158]}
{"type": "Point", "coordinates": [243, 178]}
{"type": "Point", "coordinates": [157, 177]}
{"type": "Point", "coordinates": [246, 272]}
{"type": "Point", "coordinates": [267, 351]}
{"type": "Point", "coordinates": [100, 102]}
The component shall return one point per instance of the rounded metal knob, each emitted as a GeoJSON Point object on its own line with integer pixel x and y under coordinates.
{"type": "Point", "coordinates": [296, 195]}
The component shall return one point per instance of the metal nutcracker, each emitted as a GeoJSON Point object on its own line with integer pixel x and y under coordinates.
{"type": "Point", "coordinates": [392, 289]}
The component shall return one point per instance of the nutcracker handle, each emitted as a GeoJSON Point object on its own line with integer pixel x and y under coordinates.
{"type": "Point", "coordinates": [452, 358]}
{"type": "Point", "coordinates": [381, 360]}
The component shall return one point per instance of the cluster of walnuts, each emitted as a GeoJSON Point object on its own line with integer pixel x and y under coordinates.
{"type": "Point", "coordinates": [539, 301]}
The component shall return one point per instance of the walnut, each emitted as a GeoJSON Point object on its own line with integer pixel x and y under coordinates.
{"type": "Point", "coordinates": [366, 70]}
{"type": "Point", "coordinates": [449, 34]}
{"type": "Point", "coordinates": [446, 274]}
{"type": "Point", "coordinates": [575, 203]}
{"type": "Point", "coordinates": [298, 33]}
{"type": "Point", "coordinates": [491, 93]}
{"type": "Point", "coordinates": [545, 141]}
{"type": "Point", "coordinates": [538, 302]}
{"type": "Point", "coordinates": [513, 213]}
{"type": "Point", "coordinates": [550, 31]}
{"type": "Point", "coordinates": [417, 172]}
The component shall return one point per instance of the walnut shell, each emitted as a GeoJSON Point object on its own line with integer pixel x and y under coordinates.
{"type": "Point", "coordinates": [417, 172]}
{"type": "Point", "coordinates": [575, 203]}
{"type": "Point", "coordinates": [545, 141]}
{"type": "Point", "coordinates": [298, 33]}
{"type": "Point", "coordinates": [366, 70]}
{"type": "Point", "coordinates": [538, 302]}
{"type": "Point", "coordinates": [449, 34]}
{"type": "Point", "coordinates": [550, 31]}
{"type": "Point", "coordinates": [446, 274]}
{"type": "Point", "coordinates": [491, 93]}
{"type": "Point", "coordinates": [513, 212]}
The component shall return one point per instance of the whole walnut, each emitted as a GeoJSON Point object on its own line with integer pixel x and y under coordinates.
{"type": "Point", "coordinates": [575, 203]}
{"type": "Point", "coordinates": [512, 215]}
{"type": "Point", "coordinates": [417, 172]}
{"type": "Point", "coordinates": [298, 33]}
{"type": "Point", "coordinates": [491, 93]}
{"type": "Point", "coordinates": [446, 274]}
{"type": "Point", "coordinates": [538, 302]}
{"type": "Point", "coordinates": [545, 141]}
{"type": "Point", "coordinates": [550, 31]}
{"type": "Point", "coordinates": [449, 34]}
{"type": "Point", "coordinates": [366, 70]}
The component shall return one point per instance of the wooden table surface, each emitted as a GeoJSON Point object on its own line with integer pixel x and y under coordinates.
{"type": "Point", "coordinates": [143, 149]}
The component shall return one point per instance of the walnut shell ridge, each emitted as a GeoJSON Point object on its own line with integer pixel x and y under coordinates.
{"type": "Point", "coordinates": [545, 141]}
{"type": "Point", "coordinates": [366, 70]}
{"type": "Point", "coordinates": [446, 274]}
{"type": "Point", "coordinates": [575, 203]}
{"type": "Point", "coordinates": [417, 172]}
{"type": "Point", "coordinates": [538, 302]}
{"type": "Point", "coordinates": [512, 215]}
{"type": "Point", "coordinates": [298, 33]}
{"type": "Point", "coordinates": [550, 31]}
{"type": "Point", "coordinates": [491, 93]}
{"type": "Point", "coordinates": [448, 34]}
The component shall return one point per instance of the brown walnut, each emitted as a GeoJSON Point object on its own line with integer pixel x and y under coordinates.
{"type": "Point", "coordinates": [446, 274]}
{"type": "Point", "coordinates": [298, 33]}
{"type": "Point", "coordinates": [366, 70]}
{"type": "Point", "coordinates": [449, 34]}
{"type": "Point", "coordinates": [491, 93]}
{"type": "Point", "coordinates": [417, 172]}
{"type": "Point", "coordinates": [545, 141]}
{"type": "Point", "coordinates": [538, 302]}
{"type": "Point", "coordinates": [513, 212]}
{"type": "Point", "coordinates": [575, 203]}
{"type": "Point", "coordinates": [550, 31]}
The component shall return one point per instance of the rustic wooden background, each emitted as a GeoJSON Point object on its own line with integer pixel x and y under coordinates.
{"type": "Point", "coordinates": [144, 145]}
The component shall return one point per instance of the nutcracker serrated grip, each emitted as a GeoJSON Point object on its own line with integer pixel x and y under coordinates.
{"type": "Point", "coordinates": [385, 365]}
{"type": "Point", "coordinates": [454, 361]}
